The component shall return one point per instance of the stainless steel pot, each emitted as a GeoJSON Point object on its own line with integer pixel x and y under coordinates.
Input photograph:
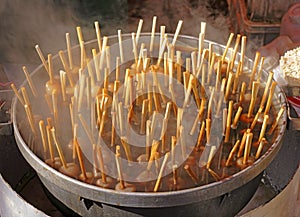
{"type": "Point", "coordinates": [221, 198]}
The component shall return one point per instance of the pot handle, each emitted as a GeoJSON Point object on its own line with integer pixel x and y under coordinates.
{"type": "Point", "coordinates": [293, 120]}
{"type": "Point", "coordinates": [292, 94]}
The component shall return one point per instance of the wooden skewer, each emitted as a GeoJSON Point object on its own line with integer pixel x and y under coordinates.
{"type": "Point", "coordinates": [117, 69]}
{"type": "Point", "coordinates": [80, 159]}
{"type": "Point", "coordinates": [166, 69]}
{"type": "Point", "coordinates": [82, 55]}
{"type": "Point", "coordinates": [237, 117]}
{"type": "Point", "coordinates": [74, 132]}
{"type": "Point", "coordinates": [49, 140]}
{"type": "Point", "coordinates": [218, 76]}
{"type": "Point", "coordinates": [263, 128]}
{"type": "Point", "coordinates": [162, 36]}
{"type": "Point", "coordinates": [208, 131]}
{"type": "Point", "coordinates": [168, 110]}
{"type": "Point", "coordinates": [262, 60]}
{"type": "Point", "coordinates": [91, 87]}
{"type": "Point", "coordinates": [25, 97]}
{"type": "Point", "coordinates": [247, 147]}
{"type": "Point", "coordinates": [134, 45]}
{"type": "Point", "coordinates": [192, 174]}
{"type": "Point", "coordinates": [105, 82]}
{"type": "Point", "coordinates": [201, 41]}
{"type": "Point", "coordinates": [30, 82]}
{"type": "Point", "coordinates": [175, 177]}
{"type": "Point", "coordinates": [119, 167]}
{"type": "Point", "coordinates": [81, 91]}
{"type": "Point", "coordinates": [152, 33]}
{"type": "Point", "coordinates": [265, 95]}
{"type": "Point", "coordinates": [121, 45]}
{"type": "Point", "coordinates": [211, 66]}
{"type": "Point", "coordinates": [102, 56]}
{"type": "Point", "coordinates": [154, 148]}
{"type": "Point", "coordinates": [269, 101]}
{"type": "Point", "coordinates": [86, 129]}
{"type": "Point", "coordinates": [255, 89]}
{"type": "Point", "coordinates": [59, 149]}
{"type": "Point", "coordinates": [96, 64]}
{"type": "Point", "coordinates": [254, 68]}
{"type": "Point", "coordinates": [235, 49]}
{"type": "Point", "coordinates": [79, 34]}
{"type": "Point", "coordinates": [227, 46]}
{"type": "Point", "coordinates": [221, 97]}
{"type": "Point", "coordinates": [224, 117]}
{"type": "Point", "coordinates": [237, 78]}
{"type": "Point", "coordinates": [38, 49]}
{"type": "Point", "coordinates": [13, 87]}
{"type": "Point", "coordinates": [50, 69]}
{"type": "Point", "coordinates": [102, 123]}
{"type": "Point", "coordinates": [43, 136]}
{"type": "Point", "coordinates": [228, 122]}
{"type": "Point", "coordinates": [138, 31]}
{"type": "Point", "coordinates": [101, 163]}
{"type": "Point", "coordinates": [256, 118]}
{"type": "Point", "coordinates": [55, 105]}
{"type": "Point", "coordinates": [200, 67]}
{"type": "Point", "coordinates": [194, 64]}
{"type": "Point", "coordinates": [156, 100]}
{"type": "Point", "coordinates": [186, 76]}
{"type": "Point", "coordinates": [201, 135]}
{"type": "Point", "coordinates": [148, 138]}
{"type": "Point", "coordinates": [195, 91]}
{"type": "Point", "coordinates": [68, 40]}
{"type": "Point", "coordinates": [179, 121]}
{"type": "Point", "coordinates": [182, 142]}
{"type": "Point", "coordinates": [280, 113]}
{"type": "Point", "coordinates": [209, 106]}
{"type": "Point", "coordinates": [30, 118]}
{"type": "Point", "coordinates": [66, 67]}
{"type": "Point", "coordinates": [200, 48]}
{"type": "Point", "coordinates": [242, 92]}
{"type": "Point", "coordinates": [198, 118]}
{"type": "Point", "coordinates": [113, 130]}
{"type": "Point", "coordinates": [177, 32]}
{"type": "Point", "coordinates": [243, 50]}
{"type": "Point", "coordinates": [228, 85]}
{"type": "Point", "coordinates": [173, 145]}
{"type": "Point", "coordinates": [144, 113]}
{"type": "Point", "coordinates": [163, 166]}
{"type": "Point", "coordinates": [163, 135]}
{"type": "Point", "coordinates": [98, 35]}
{"type": "Point", "coordinates": [62, 75]}
{"type": "Point", "coordinates": [213, 174]}
{"type": "Point", "coordinates": [121, 117]}
{"type": "Point", "coordinates": [262, 142]}
{"type": "Point", "coordinates": [233, 150]}
{"type": "Point", "coordinates": [170, 63]}
{"type": "Point", "coordinates": [161, 52]}
{"type": "Point", "coordinates": [126, 148]}
{"type": "Point", "coordinates": [210, 157]}
{"type": "Point", "coordinates": [107, 52]}
{"type": "Point", "coordinates": [188, 92]}
{"type": "Point", "coordinates": [243, 141]}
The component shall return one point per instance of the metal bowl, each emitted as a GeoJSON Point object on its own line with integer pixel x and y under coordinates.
{"type": "Point", "coordinates": [224, 198]}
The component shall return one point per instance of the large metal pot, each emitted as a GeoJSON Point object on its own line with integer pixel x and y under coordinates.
{"type": "Point", "coordinates": [222, 198]}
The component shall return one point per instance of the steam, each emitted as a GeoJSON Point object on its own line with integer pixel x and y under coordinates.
{"type": "Point", "coordinates": [27, 23]}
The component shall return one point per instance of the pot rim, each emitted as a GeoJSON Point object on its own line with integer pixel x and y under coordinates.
{"type": "Point", "coordinates": [150, 199]}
